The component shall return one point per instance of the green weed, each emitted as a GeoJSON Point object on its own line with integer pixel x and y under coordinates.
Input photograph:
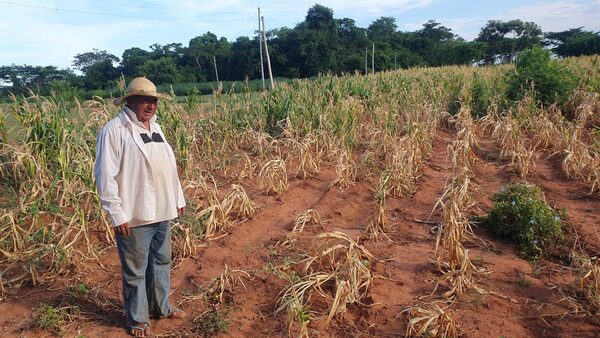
{"type": "Point", "coordinates": [521, 215]}
{"type": "Point", "coordinates": [210, 324]}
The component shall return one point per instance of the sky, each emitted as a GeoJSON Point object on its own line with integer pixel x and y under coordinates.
{"type": "Point", "coordinates": [52, 32]}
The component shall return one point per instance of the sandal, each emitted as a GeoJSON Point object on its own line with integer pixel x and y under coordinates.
{"type": "Point", "coordinates": [139, 330]}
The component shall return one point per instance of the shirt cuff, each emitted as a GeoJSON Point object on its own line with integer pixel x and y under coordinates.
{"type": "Point", "coordinates": [118, 219]}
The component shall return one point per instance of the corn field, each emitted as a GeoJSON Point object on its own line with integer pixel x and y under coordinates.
{"type": "Point", "coordinates": [311, 197]}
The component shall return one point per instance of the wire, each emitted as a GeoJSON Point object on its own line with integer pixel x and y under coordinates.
{"type": "Point", "coordinates": [117, 15]}
{"type": "Point", "coordinates": [169, 8]}
{"type": "Point", "coordinates": [245, 25]}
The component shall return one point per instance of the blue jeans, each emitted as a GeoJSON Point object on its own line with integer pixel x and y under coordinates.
{"type": "Point", "coordinates": [146, 265]}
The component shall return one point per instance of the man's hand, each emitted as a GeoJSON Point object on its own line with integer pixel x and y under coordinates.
{"type": "Point", "coordinates": [123, 229]}
{"type": "Point", "coordinates": [180, 211]}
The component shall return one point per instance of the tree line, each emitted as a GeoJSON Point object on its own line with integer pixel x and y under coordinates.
{"type": "Point", "coordinates": [319, 44]}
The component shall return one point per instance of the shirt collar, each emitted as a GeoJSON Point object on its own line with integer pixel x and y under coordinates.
{"type": "Point", "coordinates": [134, 118]}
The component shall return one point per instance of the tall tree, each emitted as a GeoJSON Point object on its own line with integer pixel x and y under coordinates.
{"type": "Point", "coordinates": [201, 51]}
{"type": "Point", "coordinates": [132, 59]}
{"type": "Point", "coordinates": [244, 59]}
{"type": "Point", "coordinates": [505, 39]}
{"type": "Point", "coordinates": [318, 42]}
{"type": "Point", "coordinates": [84, 61]}
{"type": "Point", "coordinates": [573, 42]}
{"type": "Point", "coordinates": [161, 71]}
{"type": "Point", "coordinates": [36, 78]}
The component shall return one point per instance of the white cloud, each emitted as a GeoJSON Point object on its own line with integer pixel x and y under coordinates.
{"type": "Point", "coordinates": [560, 15]}
{"type": "Point", "coordinates": [550, 16]}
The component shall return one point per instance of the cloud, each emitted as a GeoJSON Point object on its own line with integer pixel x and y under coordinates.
{"type": "Point", "coordinates": [560, 15]}
{"type": "Point", "coordinates": [41, 40]}
{"type": "Point", "coordinates": [550, 16]}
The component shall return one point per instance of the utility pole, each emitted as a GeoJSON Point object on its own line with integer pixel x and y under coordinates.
{"type": "Point", "coordinates": [262, 18]}
{"type": "Point", "coordinates": [373, 59]}
{"type": "Point", "coordinates": [395, 54]}
{"type": "Point", "coordinates": [262, 63]}
{"type": "Point", "coordinates": [366, 60]}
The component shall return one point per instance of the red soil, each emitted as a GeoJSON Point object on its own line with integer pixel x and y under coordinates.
{"type": "Point", "coordinates": [527, 301]}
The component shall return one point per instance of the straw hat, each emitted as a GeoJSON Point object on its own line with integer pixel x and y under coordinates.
{"type": "Point", "coordinates": [140, 86]}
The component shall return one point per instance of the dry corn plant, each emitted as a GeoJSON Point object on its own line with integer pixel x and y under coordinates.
{"type": "Point", "coordinates": [349, 262]}
{"type": "Point", "coordinates": [583, 296]}
{"type": "Point", "coordinates": [336, 258]}
{"type": "Point", "coordinates": [214, 219]}
{"type": "Point", "coordinates": [512, 144]}
{"type": "Point", "coordinates": [207, 185]}
{"type": "Point", "coordinates": [345, 171]}
{"type": "Point", "coordinates": [420, 145]}
{"type": "Point", "coordinates": [185, 246]}
{"type": "Point", "coordinates": [309, 156]}
{"type": "Point", "coordinates": [260, 143]}
{"type": "Point", "coordinates": [589, 285]}
{"type": "Point", "coordinates": [431, 321]}
{"type": "Point", "coordinates": [379, 141]}
{"type": "Point", "coordinates": [549, 133]}
{"type": "Point", "coordinates": [308, 217]}
{"type": "Point", "coordinates": [295, 301]}
{"type": "Point", "coordinates": [454, 228]}
{"type": "Point", "coordinates": [244, 168]}
{"type": "Point", "coordinates": [377, 225]}
{"type": "Point", "coordinates": [581, 163]}
{"type": "Point", "coordinates": [225, 283]}
{"type": "Point", "coordinates": [274, 174]}
{"type": "Point", "coordinates": [209, 215]}
{"type": "Point", "coordinates": [236, 203]}
{"type": "Point", "coordinates": [402, 178]}
{"type": "Point", "coordinates": [327, 145]}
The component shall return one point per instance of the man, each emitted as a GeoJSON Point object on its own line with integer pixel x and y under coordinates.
{"type": "Point", "coordinates": [137, 181]}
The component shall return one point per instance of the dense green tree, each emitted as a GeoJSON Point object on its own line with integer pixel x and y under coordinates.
{"type": "Point", "coordinates": [34, 77]}
{"type": "Point", "coordinates": [200, 53]}
{"type": "Point", "coordinates": [132, 59]}
{"type": "Point", "coordinates": [319, 17]}
{"type": "Point", "coordinates": [353, 41]}
{"type": "Point", "coordinates": [244, 59]}
{"type": "Point", "coordinates": [434, 31]}
{"type": "Point", "coordinates": [100, 75]}
{"type": "Point", "coordinates": [161, 71]}
{"type": "Point", "coordinates": [573, 42]}
{"type": "Point", "coordinates": [318, 42]}
{"type": "Point", "coordinates": [505, 39]}
{"type": "Point", "coordinates": [284, 51]}
{"type": "Point", "coordinates": [85, 60]}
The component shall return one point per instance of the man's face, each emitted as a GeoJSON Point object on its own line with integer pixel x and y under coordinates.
{"type": "Point", "coordinates": [144, 107]}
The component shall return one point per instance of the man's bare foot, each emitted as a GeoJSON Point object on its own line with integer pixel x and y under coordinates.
{"type": "Point", "coordinates": [139, 330]}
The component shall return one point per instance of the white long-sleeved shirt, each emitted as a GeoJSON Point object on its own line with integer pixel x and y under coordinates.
{"type": "Point", "coordinates": [128, 177]}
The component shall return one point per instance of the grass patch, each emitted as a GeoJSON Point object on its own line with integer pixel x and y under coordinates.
{"type": "Point", "coordinates": [210, 324]}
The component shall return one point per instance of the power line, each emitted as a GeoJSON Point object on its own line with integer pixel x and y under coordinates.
{"type": "Point", "coordinates": [245, 25]}
{"type": "Point", "coordinates": [171, 8]}
{"type": "Point", "coordinates": [116, 15]}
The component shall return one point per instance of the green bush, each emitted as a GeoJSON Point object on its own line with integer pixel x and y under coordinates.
{"type": "Point", "coordinates": [521, 215]}
{"type": "Point", "coordinates": [550, 81]}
